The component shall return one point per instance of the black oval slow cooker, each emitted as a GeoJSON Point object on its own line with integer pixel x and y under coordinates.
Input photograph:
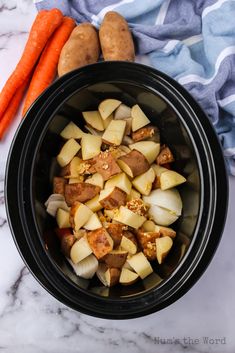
{"type": "Point", "coordinates": [32, 165]}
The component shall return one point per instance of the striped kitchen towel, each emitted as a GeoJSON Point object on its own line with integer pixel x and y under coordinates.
{"type": "Point", "coordinates": [192, 41]}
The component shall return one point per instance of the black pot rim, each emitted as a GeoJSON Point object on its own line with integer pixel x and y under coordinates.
{"type": "Point", "coordinates": [217, 199]}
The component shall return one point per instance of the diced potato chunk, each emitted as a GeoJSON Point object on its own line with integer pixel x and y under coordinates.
{"type": "Point", "coordinates": [143, 182]}
{"type": "Point", "coordinates": [107, 121]}
{"type": "Point", "coordinates": [79, 179]}
{"type": "Point", "coordinates": [128, 277]}
{"type": "Point", "coordinates": [147, 243]}
{"type": "Point", "coordinates": [139, 119]}
{"type": "Point", "coordinates": [96, 179]}
{"type": "Point", "coordinates": [170, 179]}
{"type": "Point", "coordinates": [72, 169]}
{"type": "Point", "coordinates": [149, 226]}
{"type": "Point", "coordinates": [62, 218]}
{"type": "Point", "coordinates": [100, 242]}
{"type": "Point", "coordinates": [79, 215]}
{"type": "Point", "coordinates": [90, 146]}
{"type": "Point", "coordinates": [116, 232]}
{"type": "Point", "coordinates": [133, 163]}
{"type": "Point", "coordinates": [106, 165]}
{"type": "Point", "coordinates": [93, 223]}
{"type": "Point", "coordinates": [165, 231]}
{"type": "Point", "coordinates": [71, 131]}
{"type": "Point", "coordinates": [116, 258]}
{"type": "Point", "coordinates": [158, 169]}
{"type": "Point", "coordinates": [149, 149]}
{"type": "Point", "coordinates": [121, 181]}
{"type": "Point", "coordinates": [133, 195]}
{"type": "Point", "coordinates": [165, 156]}
{"type": "Point", "coordinates": [93, 118]}
{"type": "Point", "coordinates": [125, 216]}
{"type": "Point", "coordinates": [68, 151]}
{"type": "Point", "coordinates": [107, 107]}
{"type": "Point", "coordinates": [149, 132]}
{"type": "Point", "coordinates": [81, 192]}
{"type": "Point", "coordinates": [129, 243]}
{"type": "Point", "coordinates": [112, 276]}
{"type": "Point", "coordinates": [94, 204]}
{"type": "Point", "coordinates": [163, 246]}
{"type": "Point", "coordinates": [114, 132]}
{"type": "Point", "coordinates": [80, 250]}
{"type": "Point", "coordinates": [140, 265]}
{"type": "Point", "coordinates": [112, 198]}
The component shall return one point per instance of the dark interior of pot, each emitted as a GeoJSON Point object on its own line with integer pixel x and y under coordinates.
{"type": "Point", "coordinates": [173, 132]}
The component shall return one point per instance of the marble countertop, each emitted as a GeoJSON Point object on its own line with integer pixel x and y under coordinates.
{"type": "Point", "coordinates": [32, 321]}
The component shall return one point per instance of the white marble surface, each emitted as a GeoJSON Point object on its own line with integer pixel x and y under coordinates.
{"type": "Point", "coordinates": [31, 321]}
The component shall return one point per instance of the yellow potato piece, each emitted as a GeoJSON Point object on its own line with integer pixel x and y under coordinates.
{"type": "Point", "coordinates": [140, 265]}
{"type": "Point", "coordinates": [93, 118]}
{"type": "Point", "coordinates": [115, 132]}
{"type": "Point", "coordinates": [143, 182]}
{"type": "Point", "coordinates": [94, 204]}
{"type": "Point", "coordinates": [170, 179]}
{"type": "Point", "coordinates": [163, 246]}
{"type": "Point", "coordinates": [107, 107]}
{"type": "Point", "coordinates": [121, 181]}
{"type": "Point", "coordinates": [139, 119]}
{"type": "Point", "coordinates": [126, 216]}
{"type": "Point", "coordinates": [71, 131]}
{"type": "Point", "coordinates": [90, 146]}
{"type": "Point", "coordinates": [68, 151]}
{"type": "Point", "coordinates": [80, 250]}
{"type": "Point", "coordinates": [127, 277]}
{"type": "Point", "coordinates": [62, 218]}
{"type": "Point", "coordinates": [149, 149]}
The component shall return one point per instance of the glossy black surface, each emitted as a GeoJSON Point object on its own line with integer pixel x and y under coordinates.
{"type": "Point", "coordinates": [183, 126]}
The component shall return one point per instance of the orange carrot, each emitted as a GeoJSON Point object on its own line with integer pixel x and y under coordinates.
{"type": "Point", "coordinates": [46, 69]}
{"type": "Point", "coordinates": [12, 109]}
{"type": "Point", "coordinates": [44, 25]}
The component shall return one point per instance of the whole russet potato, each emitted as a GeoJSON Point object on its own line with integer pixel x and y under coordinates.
{"type": "Point", "coordinates": [82, 48]}
{"type": "Point", "coordinates": [115, 38]}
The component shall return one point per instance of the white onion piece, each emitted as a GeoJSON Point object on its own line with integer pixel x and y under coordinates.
{"type": "Point", "coordinates": [93, 131]}
{"type": "Point", "coordinates": [168, 199]}
{"type": "Point", "coordinates": [53, 207]}
{"type": "Point", "coordinates": [54, 197]}
{"type": "Point", "coordinates": [85, 268]}
{"type": "Point", "coordinates": [122, 112]}
{"type": "Point", "coordinates": [162, 216]}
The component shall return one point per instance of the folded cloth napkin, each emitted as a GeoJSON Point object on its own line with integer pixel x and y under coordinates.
{"type": "Point", "coordinates": [191, 41]}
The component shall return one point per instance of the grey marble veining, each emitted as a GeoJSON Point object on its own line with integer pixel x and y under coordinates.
{"type": "Point", "coordinates": [32, 321]}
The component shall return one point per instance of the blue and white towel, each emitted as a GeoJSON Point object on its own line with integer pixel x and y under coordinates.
{"type": "Point", "coordinates": [192, 41]}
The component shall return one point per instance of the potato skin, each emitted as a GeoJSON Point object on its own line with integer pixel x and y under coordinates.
{"type": "Point", "coordinates": [116, 232]}
{"type": "Point", "coordinates": [99, 243]}
{"type": "Point", "coordinates": [144, 133]}
{"type": "Point", "coordinates": [67, 242]}
{"type": "Point", "coordinates": [165, 156]}
{"type": "Point", "coordinates": [114, 200]}
{"type": "Point", "coordinates": [106, 165]}
{"type": "Point", "coordinates": [82, 48]}
{"type": "Point", "coordinates": [115, 38]}
{"type": "Point", "coordinates": [116, 259]}
{"type": "Point", "coordinates": [136, 162]}
{"type": "Point", "coordinates": [81, 192]}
